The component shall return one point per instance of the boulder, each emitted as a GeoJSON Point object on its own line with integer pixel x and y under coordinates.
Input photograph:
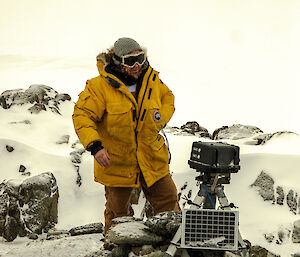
{"type": "Point", "coordinates": [133, 233]}
{"type": "Point", "coordinates": [164, 224]}
{"type": "Point", "coordinates": [238, 131]}
{"type": "Point", "coordinates": [265, 185]}
{"type": "Point", "coordinates": [38, 199]}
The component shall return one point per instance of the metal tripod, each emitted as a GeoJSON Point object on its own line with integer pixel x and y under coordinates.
{"type": "Point", "coordinates": [211, 188]}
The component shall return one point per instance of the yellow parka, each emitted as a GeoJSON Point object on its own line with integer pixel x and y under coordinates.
{"type": "Point", "coordinates": [128, 129]}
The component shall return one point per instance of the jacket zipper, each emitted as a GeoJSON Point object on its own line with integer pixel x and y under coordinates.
{"type": "Point", "coordinates": [144, 94]}
{"type": "Point", "coordinates": [136, 180]}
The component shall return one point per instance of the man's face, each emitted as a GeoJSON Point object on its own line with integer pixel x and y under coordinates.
{"type": "Point", "coordinates": [134, 71]}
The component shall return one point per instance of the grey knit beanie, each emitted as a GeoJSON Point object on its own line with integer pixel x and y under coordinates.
{"type": "Point", "coordinates": [125, 45]}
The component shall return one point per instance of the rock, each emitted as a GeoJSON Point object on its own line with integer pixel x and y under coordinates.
{"type": "Point", "coordinates": [40, 97]}
{"type": "Point", "coordinates": [133, 233]}
{"type": "Point", "coordinates": [124, 219]}
{"type": "Point", "coordinates": [147, 210]}
{"type": "Point", "coordinates": [57, 234]}
{"type": "Point", "coordinates": [135, 195]}
{"type": "Point", "coordinates": [238, 131]}
{"type": "Point", "coordinates": [10, 224]}
{"type": "Point", "coordinates": [9, 148]}
{"type": "Point", "coordinates": [78, 179]}
{"type": "Point", "coordinates": [268, 137]}
{"type": "Point", "coordinates": [87, 229]}
{"type": "Point", "coordinates": [22, 168]}
{"type": "Point", "coordinates": [33, 236]}
{"type": "Point", "coordinates": [193, 127]}
{"type": "Point", "coordinates": [76, 155]}
{"type": "Point", "coordinates": [265, 185]}
{"type": "Point", "coordinates": [164, 224]}
{"type": "Point", "coordinates": [269, 237]}
{"type": "Point", "coordinates": [291, 200]}
{"type": "Point", "coordinates": [142, 250]}
{"type": "Point", "coordinates": [63, 140]}
{"type": "Point", "coordinates": [11, 229]}
{"type": "Point", "coordinates": [258, 251]}
{"type": "Point", "coordinates": [296, 232]}
{"type": "Point", "coordinates": [62, 97]}
{"type": "Point", "coordinates": [100, 253]}
{"type": "Point", "coordinates": [121, 250]}
{"type": "Point", "coordinates": [38, 198]}
{"type": "Point", "coordinates": [281, 235]}
{"type": "Point", "coordinates": [27, 122]}
{"type": "Point", "coordinates": [280, 197]}
{"type": "Point", "coordinates": [37, 108]}
{"type": "Point", "coordinates": [77, 144]}
{"type": "Point", "coordinates": [146, 249]}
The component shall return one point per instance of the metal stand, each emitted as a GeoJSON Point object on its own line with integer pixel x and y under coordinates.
{"type": "Point", "coordinates": [211, 188]}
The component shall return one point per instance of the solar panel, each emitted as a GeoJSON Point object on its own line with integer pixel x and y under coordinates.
{"type": "Point", "coordinates": [209, 229]}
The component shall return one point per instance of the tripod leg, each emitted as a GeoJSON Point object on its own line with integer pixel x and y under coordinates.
{"type": "Point", "coordinates": [174, 243]}
{"type": "Point", "coordinates": [198, 200]}
{"type": "Point", "coordinates": [225, 203]}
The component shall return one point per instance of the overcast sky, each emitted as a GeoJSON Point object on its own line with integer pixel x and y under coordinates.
{"type": "Point", "coordinates": [232, 61]}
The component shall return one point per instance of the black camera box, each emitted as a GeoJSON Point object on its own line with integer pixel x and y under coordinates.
{"type": "Point", "coordinates": [214, 157]}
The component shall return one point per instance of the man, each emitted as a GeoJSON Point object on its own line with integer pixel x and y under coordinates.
{"type": "Point", "coordinates": [117, 118]}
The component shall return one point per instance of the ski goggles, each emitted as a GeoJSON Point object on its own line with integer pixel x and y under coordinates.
{"type": "Point", "coordinates": [130, 60]}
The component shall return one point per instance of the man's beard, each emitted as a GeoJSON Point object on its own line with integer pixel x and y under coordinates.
{"type": "Point", "coordinates": [134, 76]}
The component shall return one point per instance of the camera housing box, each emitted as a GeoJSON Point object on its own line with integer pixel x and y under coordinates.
{"type": "Point", "coordinates": [215, 157]}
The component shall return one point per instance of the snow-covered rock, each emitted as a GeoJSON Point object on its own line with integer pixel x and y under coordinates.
{"type": "Point", "coordinates": [28, 207]}
{"type": "Point", "coordinates": [40, 97]}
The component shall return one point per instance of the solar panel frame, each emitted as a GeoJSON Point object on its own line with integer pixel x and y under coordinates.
{"type": "Point", "coordinates": [210, 229]}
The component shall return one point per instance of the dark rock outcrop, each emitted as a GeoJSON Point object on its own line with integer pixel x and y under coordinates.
{"type": "Point", "coordinates": [40, 97]}
{"type": "Point", "coordinates": [193, 127]}
{"type": "Point", "coordinates": [29, 207]}
{"type": "Point", "coordinates": [38, 199]}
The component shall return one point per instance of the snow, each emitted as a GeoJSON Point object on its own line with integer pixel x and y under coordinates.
{"type": "Point", "coordinates": [35, 148]}
{"type": "Point", "coordinates": [63, 247]}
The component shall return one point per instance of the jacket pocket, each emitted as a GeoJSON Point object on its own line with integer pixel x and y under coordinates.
{"type": "Point", "coordinates": [121, 159]}
{"type": "Point", "coordinates": [159, 154]}
{"type": "Point", "coordinates": [119, 121]}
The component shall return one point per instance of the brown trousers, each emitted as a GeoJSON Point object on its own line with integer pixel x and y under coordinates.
{"type": "Point", "coordinates": [162, 196]}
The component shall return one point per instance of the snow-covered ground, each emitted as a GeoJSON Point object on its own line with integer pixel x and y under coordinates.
{"type": "Point", "coordinates": [35, 148]}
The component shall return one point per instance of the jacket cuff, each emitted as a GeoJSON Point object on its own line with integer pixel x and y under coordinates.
{"type": "Point", "coordinates": [95, 147]}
